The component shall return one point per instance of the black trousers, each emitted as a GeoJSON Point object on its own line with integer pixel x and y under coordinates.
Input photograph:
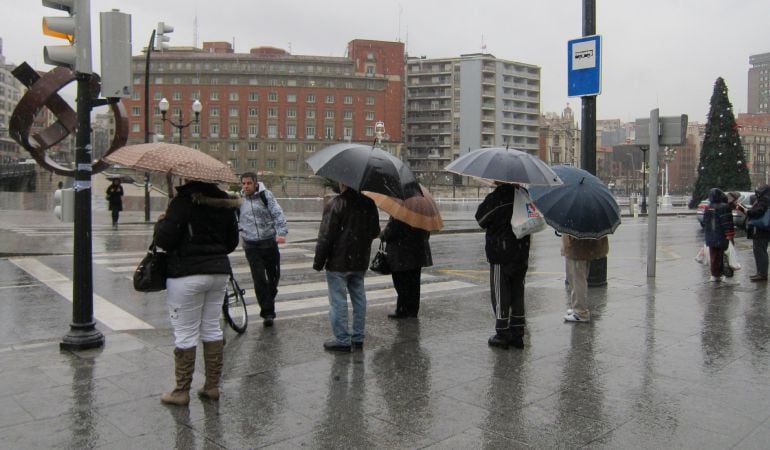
{"type": "Point", "coordinates": [265, 263]}
{"type": "Point", "coordinates": [407, 284]}
{"type": "Point", "coordinates": [115, 215]}
{"type": "Point", "coordinates": [507, 288]}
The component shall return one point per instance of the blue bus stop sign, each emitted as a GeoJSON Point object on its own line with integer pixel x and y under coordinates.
{"type": "Point", "coordinates": [584, 75]}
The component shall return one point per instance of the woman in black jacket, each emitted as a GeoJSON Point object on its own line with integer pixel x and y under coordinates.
{"type": "Point", "coordinates": [408, 252]}
{"type": "Point", "coordinates": [759, 237]}
{"type": "Point", "coordinates": [115, 199]}
{"type": "Point", "coordinates": [198, 230]}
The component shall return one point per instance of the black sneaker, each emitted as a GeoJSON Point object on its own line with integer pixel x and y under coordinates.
{"type": "Point", "coordinates": [268, 322]}
{"type": "Point", "coordinates": [334, 346]}
{"type": "Point", "coordinates": [498, 341]}
{"type": "Point", "coordinates": [517, 341]}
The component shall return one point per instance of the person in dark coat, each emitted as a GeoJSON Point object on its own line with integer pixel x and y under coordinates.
{"type": "Point", "coordinates": [349, 224]}
{"type": "Point", "coordinates": [115, 199]}
{"type": "Point", "coordinates": [760, 238]}
{"type": "Point", "coordinates": [718, 231]}
{"type": "Point", "coordinates": [408, 252]}
{"type": "Point", "coordinates": [508, 259]}
{"type": "Point", "coordinates": [198, 231]}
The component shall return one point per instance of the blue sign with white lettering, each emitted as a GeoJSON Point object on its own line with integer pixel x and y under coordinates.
{"type": "Point", "coordinates": [584, 75]}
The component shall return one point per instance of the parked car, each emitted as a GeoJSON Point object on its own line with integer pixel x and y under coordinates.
{"type": "Point", "coordinates": [739, 215]}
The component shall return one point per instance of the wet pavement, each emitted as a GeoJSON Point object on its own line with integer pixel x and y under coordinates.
{"type": "Point", "coordinates": [669, 362]}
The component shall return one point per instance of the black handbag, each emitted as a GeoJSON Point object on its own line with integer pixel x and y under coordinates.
{"type": "Point", "coordinates": [380, 261]}
{"type": "Point", "coordinates": [150, 275]}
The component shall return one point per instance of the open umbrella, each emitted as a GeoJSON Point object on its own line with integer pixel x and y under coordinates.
{"type": "Point", "coordinates": [504, 164]}
{"type": "Point", "coordinates": [419, 211]}
{"type": "Point", "coordinates": [582, 207]}
{"type": "Point", "coordinates": [364, 168]}
{"type": "Point", "coordinates": [173, 159]}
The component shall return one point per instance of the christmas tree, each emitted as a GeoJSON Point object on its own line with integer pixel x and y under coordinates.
{"type": "Point", "coordinates": [722, 161]}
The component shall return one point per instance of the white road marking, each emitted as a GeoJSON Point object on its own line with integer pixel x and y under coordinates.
{"type": "Point", "coordinates": [105, 312]}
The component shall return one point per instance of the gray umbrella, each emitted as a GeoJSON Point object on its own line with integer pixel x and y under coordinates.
{"type": "Point", "coordinates": [506, 165]}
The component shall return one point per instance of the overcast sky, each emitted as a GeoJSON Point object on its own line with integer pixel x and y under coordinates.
{"type": "Point", "coordinates": [656, 53]}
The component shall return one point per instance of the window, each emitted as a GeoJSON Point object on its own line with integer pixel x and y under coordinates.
{"type": "Point", "coordinates": [214, 130]}
{"type": "Point", "coordinates": [309, 148]}
{"type": "Point", "coordinates": [176, 96]}
{"type": "Point", "coordinates": [135, 110]}
{"type": "Point", "coordinates": [195, 129]}
{"type": "Point", "coordinates": [272, 147]}
{"type": "Point", "coordinates": [253, 112]}
{"type": "Point", "coordinates": [369, 131]}
{"type": "Point", "coordinates": [195, 95]}
{"type": "Point", "coordinates": [347, 132]}
{"type": "Point", "coordinates": [135, 128]}
{"type": "Point", "coordinates": [291, 164]}
{"type": "Point", "coordinates": [270, 164]}
{"type": "Point", "coordinates": [158, 96]}
{"type": "Point", "coordinates": [291, 148]}
{"type": "Point", "coordinates": [253, 146]}
{"type": "Point", "coordinates": [272, 131]}
{"type": "Point", "coordinates": [135, 95]}
{"type": "Point", "coordinates": [369, 115]}
{"type": "Point", "coordinates": [291, 98]}
{"type": "Point", "coordinates": [272, 113]}
{"type": "Point", "coordinates": [329, 132]}
{"type": "Point", "coordinates": [233, 96]}
{"type": "Point", "coordinates": [214, 95]}
{"type": "Point", "coordinates": [233, 163]}
{"type": "Point", "coordinates": [233, 130]}
{"type": "Point", "coordinates": [272, 96]}
{"type": "Point", "coordinates": [158, 129]}
{"type": "Point", "coordinates": [310, 132]}
{"type": "Point", "coordinates": [253, 130]}
{"type": "Point", "coordinates": [347, 115]}
{"type": "Point", "coordinates": [233, 112]}
{"type": "Point", "coordinates": [310, 98]}
{"type": "Point", "coordinates": [214, 146]}
{"type": "Point", "coordinates": [177, 80]}
{"type": "Point", "coordinates": [310, 113]}
{"type": "Point", "coordinates": [291, 113]}
{"type": "Point", "coordinates": [253, 96]}
{"type": "Point", "coordinates": [158, 80]}
{"type": "Point", "coordinates": [329, 114]}
{"type": "Point", "coordinates": [214, 112]}
{"type": "Point", "coordinates": [348, 99]}
{"type": "Point", "coordinates": [232, 146]}
{"type": "Point", "coordinates": [329, 99]}
{"type": "Point", "coordinates": [291, 131]}
{"type": "Point", "coordinates": [369, 100]}
{"type": "Point", "coordinates": [251, 163]}
{"type": "Point", "coordinates": [176, 111]}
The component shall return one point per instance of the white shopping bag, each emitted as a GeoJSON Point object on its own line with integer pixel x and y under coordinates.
{"type": "Point", "coordinates": [703, 256]}
{"type": "Point", "coordinates": [731, 257]}
{"type": "Point", "coordinates": [526, 219]}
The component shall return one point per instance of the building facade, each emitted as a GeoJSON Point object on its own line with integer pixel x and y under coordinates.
{"type": "Point", "coordinates": [267, 110]}
{"type": "Point", "coordinates": [560, 138]}
{"type": "Point", "coordinates": [759, 84]}
{"type": "Point", "coordinates": [11, 91]}
{"type": "Point", "coordinates": [455, 105]}
{"type": "Point", "coordinates": [754, 130]}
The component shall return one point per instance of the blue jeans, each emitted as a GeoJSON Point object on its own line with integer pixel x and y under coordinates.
{"type": "Point", "coordinates": [340, 284]}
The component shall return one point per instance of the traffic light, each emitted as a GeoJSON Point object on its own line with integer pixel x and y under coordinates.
{"type": "Point", "coordinates": [64, 205]}
{"type": "Point", "coordinates": [115, 38]}
{"type": "Point", "coordinates": [161, 40]}
{"type": "Point", "coordinates": [76, 29]}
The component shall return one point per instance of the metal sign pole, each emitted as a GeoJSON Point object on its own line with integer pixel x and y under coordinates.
{"type": "Point", "coordinates": [652, 218]}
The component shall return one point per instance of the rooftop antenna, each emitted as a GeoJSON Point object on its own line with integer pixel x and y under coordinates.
{"type": "Point", "coordinates": [195, 31]}
{"type": "Point", "coordinates": [400, 10]}
{"type": "Point", "coordinates": [483, 45]}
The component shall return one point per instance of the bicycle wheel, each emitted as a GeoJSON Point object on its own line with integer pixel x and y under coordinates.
{"type": "Point", "coordinates": [234, 307]}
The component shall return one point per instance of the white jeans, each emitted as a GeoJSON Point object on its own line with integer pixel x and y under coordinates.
{"type": "Point", "coordinates": [577, 276]}
{"type": "Point", "coordinates": [194, 305]}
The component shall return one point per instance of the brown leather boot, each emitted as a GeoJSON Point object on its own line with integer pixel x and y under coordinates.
{"type": "Point", "coordinates": [184, 361]}
{"type": "Point", "coordinates": [213, 356]}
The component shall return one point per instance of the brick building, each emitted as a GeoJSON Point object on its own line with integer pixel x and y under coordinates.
{"type": "Point", "coordinates": [268, 110]}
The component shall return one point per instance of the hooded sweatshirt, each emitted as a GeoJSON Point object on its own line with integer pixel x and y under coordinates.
{"type": "Point", "coordinates": [259, 222]}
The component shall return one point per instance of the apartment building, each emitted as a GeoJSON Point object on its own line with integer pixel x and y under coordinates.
{"type": "Point", "coordinates": [759, 84]}
{"type": "Point", "coordinates": [754, 130]}
{"type": "Point", "coordinates": [560, 138]}
{"type": "Point", "coordinates": [454, 105]}
{"type": "Point", "coordinates": [268, 110]}
{"type": "Point", "coordinates": [11, 91]}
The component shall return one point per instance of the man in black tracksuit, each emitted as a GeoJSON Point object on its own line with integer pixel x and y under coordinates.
{"type": "Point", "coordinates": [508, 259]}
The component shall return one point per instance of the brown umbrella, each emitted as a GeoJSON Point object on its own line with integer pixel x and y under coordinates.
{"type": "Point", "coordinates": [173, 159]}
{"type": "Point", "coordinates": [418, 211]}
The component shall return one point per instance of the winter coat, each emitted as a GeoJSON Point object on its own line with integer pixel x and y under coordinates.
{"type": "Point", "coordinates": [718, 220]}
{"type": "Point", "coordinates": [494, 215]}
{"type": "Point", "coordinates": [115, 197]}
{"type": "Point", "coordinates": [199, 230]}
{"type": "Point", "coordinates": [259, 222]}
{"type": "Point", "coordinates": [758, 208]}
{"type": "Point", "coordinates": [350, 222]}
{"type": "Point", "coordinates": [407, 247]}
{"type": "Point", "coordinates": [584, 249]}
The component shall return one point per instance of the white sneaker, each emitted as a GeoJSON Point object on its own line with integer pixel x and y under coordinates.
{"type": "Point", "coordinates": [572, 317]}
{"type": "Point", "coordinates": [714, 279]}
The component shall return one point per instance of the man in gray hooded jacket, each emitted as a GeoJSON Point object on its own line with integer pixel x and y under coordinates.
{"type": "Point", "coordinates": [263, 227]}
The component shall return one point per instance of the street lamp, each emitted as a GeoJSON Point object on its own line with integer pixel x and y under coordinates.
{"type": "Point", "coordinates": [197, 107]}
{"type": "Point", "coordinates": [668, 156]}
{"type": "Point", "coordinates": [643, 207]}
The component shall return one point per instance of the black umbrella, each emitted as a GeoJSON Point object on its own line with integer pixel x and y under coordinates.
{"type": "Point", "coordinates": [506, 165]}
{"type": "Point", "coordinates": [364, 168]}
{"type": "Point", "coordinates": [582, 207]}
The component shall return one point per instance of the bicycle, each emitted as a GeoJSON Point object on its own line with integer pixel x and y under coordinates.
{"type": "Point", "coordinates": [234, 306]}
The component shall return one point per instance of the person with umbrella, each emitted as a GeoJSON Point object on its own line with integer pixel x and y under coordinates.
{"type": "Point", "coordinates": [349, 224]}
{"type": "Point", "coordinates": [263, 227]}
{"type": "Point", "coordinates": [115, 200]}
{"type": "Point", "coordinates": [578, 254]}
{"type": "Point", "coordinates": [508, 259]}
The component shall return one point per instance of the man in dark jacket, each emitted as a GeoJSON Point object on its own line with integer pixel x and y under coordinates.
{"type": "Point", "coordinates": [349, 225]}
{"type": "Point", "coordinates": [408, 252]}
{"type": "Point", "coordinates": [759, 237]}
{"type": "Point", "coordinates": [508, 259]}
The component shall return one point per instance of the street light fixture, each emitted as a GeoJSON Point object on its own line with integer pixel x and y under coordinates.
{"type": "Point", "coordinates": [643, 207]}
{"type": "Point", "coordinates": [164, 105]}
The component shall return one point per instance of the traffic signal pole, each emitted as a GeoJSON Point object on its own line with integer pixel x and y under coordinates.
{"type": "Point", "coordinates": [83, 333]}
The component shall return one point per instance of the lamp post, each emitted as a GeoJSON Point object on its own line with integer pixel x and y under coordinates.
{"type": "Point", "coordinates": [197, 107]}
{"type": "Point", "coordinates": [643, 207]}
{"type": "Point", "coordinates": [668, 156]}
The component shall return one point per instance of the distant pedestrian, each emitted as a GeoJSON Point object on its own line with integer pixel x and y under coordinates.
{"type": "Point", "coordinates": [349, 224]}
{"type": "Point", "coordinates": [198, 230]}
{"type": "Point", "coordinates": [263, 227]}
{"type": "Point", "coordinates": [760, 238]}
{"type": "Point", "coordinates": [718, 231]}
{"type": "Point", "coordinates": [508, 259]}
{"type": "Point", "coordinates": [408, 252]}
{"type": "Point", "coordinates": [115, 199]}
{"type": "Point", "coordinates": [578, 254]}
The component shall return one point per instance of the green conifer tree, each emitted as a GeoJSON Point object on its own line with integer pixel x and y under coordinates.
{"type": "Point", "coordinates": [722, 161]}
